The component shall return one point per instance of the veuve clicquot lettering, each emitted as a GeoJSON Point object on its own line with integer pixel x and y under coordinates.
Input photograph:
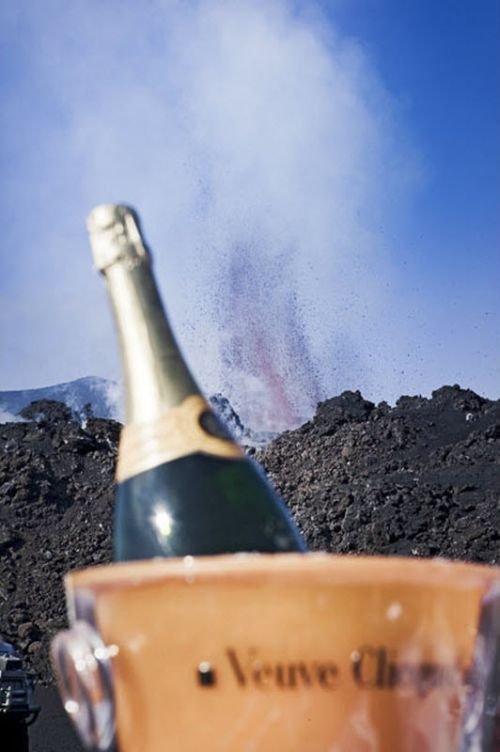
{"type": "Point", "coordinates": [184, 487]}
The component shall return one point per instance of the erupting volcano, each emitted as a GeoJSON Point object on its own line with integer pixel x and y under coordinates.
{"type": "Point", "coordinates": [265, 351]}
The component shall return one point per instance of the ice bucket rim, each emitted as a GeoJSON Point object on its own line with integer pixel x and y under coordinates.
{"type": "Point", "coordinates": [294, 569]}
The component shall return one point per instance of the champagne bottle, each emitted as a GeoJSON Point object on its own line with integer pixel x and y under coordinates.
{"type": "Point", "coordinates": [184, 487]}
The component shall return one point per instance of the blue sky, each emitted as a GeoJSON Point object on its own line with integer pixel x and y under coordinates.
{"type": "Point", "coordinates": [442, 61]}
{"type": "Point", "coordinates": [319, 183]}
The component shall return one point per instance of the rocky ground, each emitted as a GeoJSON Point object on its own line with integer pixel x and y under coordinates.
{"type": "Point", "coordinates": [418, 479]}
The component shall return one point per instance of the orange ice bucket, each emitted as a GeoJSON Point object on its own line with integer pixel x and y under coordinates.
{"type": "Point", "coordinates": [299, 653]}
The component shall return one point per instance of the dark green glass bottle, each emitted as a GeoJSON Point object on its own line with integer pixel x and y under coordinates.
{"type": "Point", "coordinates": [184, 487]}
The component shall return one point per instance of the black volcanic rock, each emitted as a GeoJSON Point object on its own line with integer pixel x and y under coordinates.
{"type": "Point", "coordinates": [43, 410]}
{"type": "Point", "coordinates": [418, 479]}
{"type": "Point", "coordinates": [56, 499]}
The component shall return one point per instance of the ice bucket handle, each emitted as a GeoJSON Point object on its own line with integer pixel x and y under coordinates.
{"type": "Point", "coordinates": [83, 672]}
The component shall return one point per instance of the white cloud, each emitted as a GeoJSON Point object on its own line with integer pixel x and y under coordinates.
{"type": "Point", "coordinates": [265, 158]}
{"type": "Point", "coordinates": [8, 417]}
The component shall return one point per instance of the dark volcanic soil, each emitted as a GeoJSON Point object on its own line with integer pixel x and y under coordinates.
{"type": "Point", "coordinates": [419, 479]}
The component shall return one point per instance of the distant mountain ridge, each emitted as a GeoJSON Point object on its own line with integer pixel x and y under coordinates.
{"type": "Point", "coordinates": [104, 398]}
{"type": "Point", "coordinates": [102, 395]}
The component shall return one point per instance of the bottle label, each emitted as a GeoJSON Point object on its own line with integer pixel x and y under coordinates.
{"type": "Point", "coordinates": [178, 432]}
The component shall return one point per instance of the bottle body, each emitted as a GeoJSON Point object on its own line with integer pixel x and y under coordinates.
{"type": "Point", "coordinates": [184, 487]}
{"type": "Point", "coordinates": [200, 505]}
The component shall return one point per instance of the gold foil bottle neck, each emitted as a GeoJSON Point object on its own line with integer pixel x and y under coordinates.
{"type": "Point", "coordinates": [176, 432]}
{"type": "Point", "coordinates": [156, 375]}
{"type": "Point", "coordinates": [115, 235]}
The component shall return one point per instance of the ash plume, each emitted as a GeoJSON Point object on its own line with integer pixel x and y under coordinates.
{"type": "Point", "coordinates": [263, 345]}
{"type": "Point", "coordinates": [254, 139]}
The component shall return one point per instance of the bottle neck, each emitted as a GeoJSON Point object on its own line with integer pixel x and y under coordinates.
{"type": "Point", "coordinates": [156, 376]}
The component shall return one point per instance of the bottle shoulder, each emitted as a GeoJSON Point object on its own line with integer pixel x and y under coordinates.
{"type": "Point", "coordinates": [203, 504]}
